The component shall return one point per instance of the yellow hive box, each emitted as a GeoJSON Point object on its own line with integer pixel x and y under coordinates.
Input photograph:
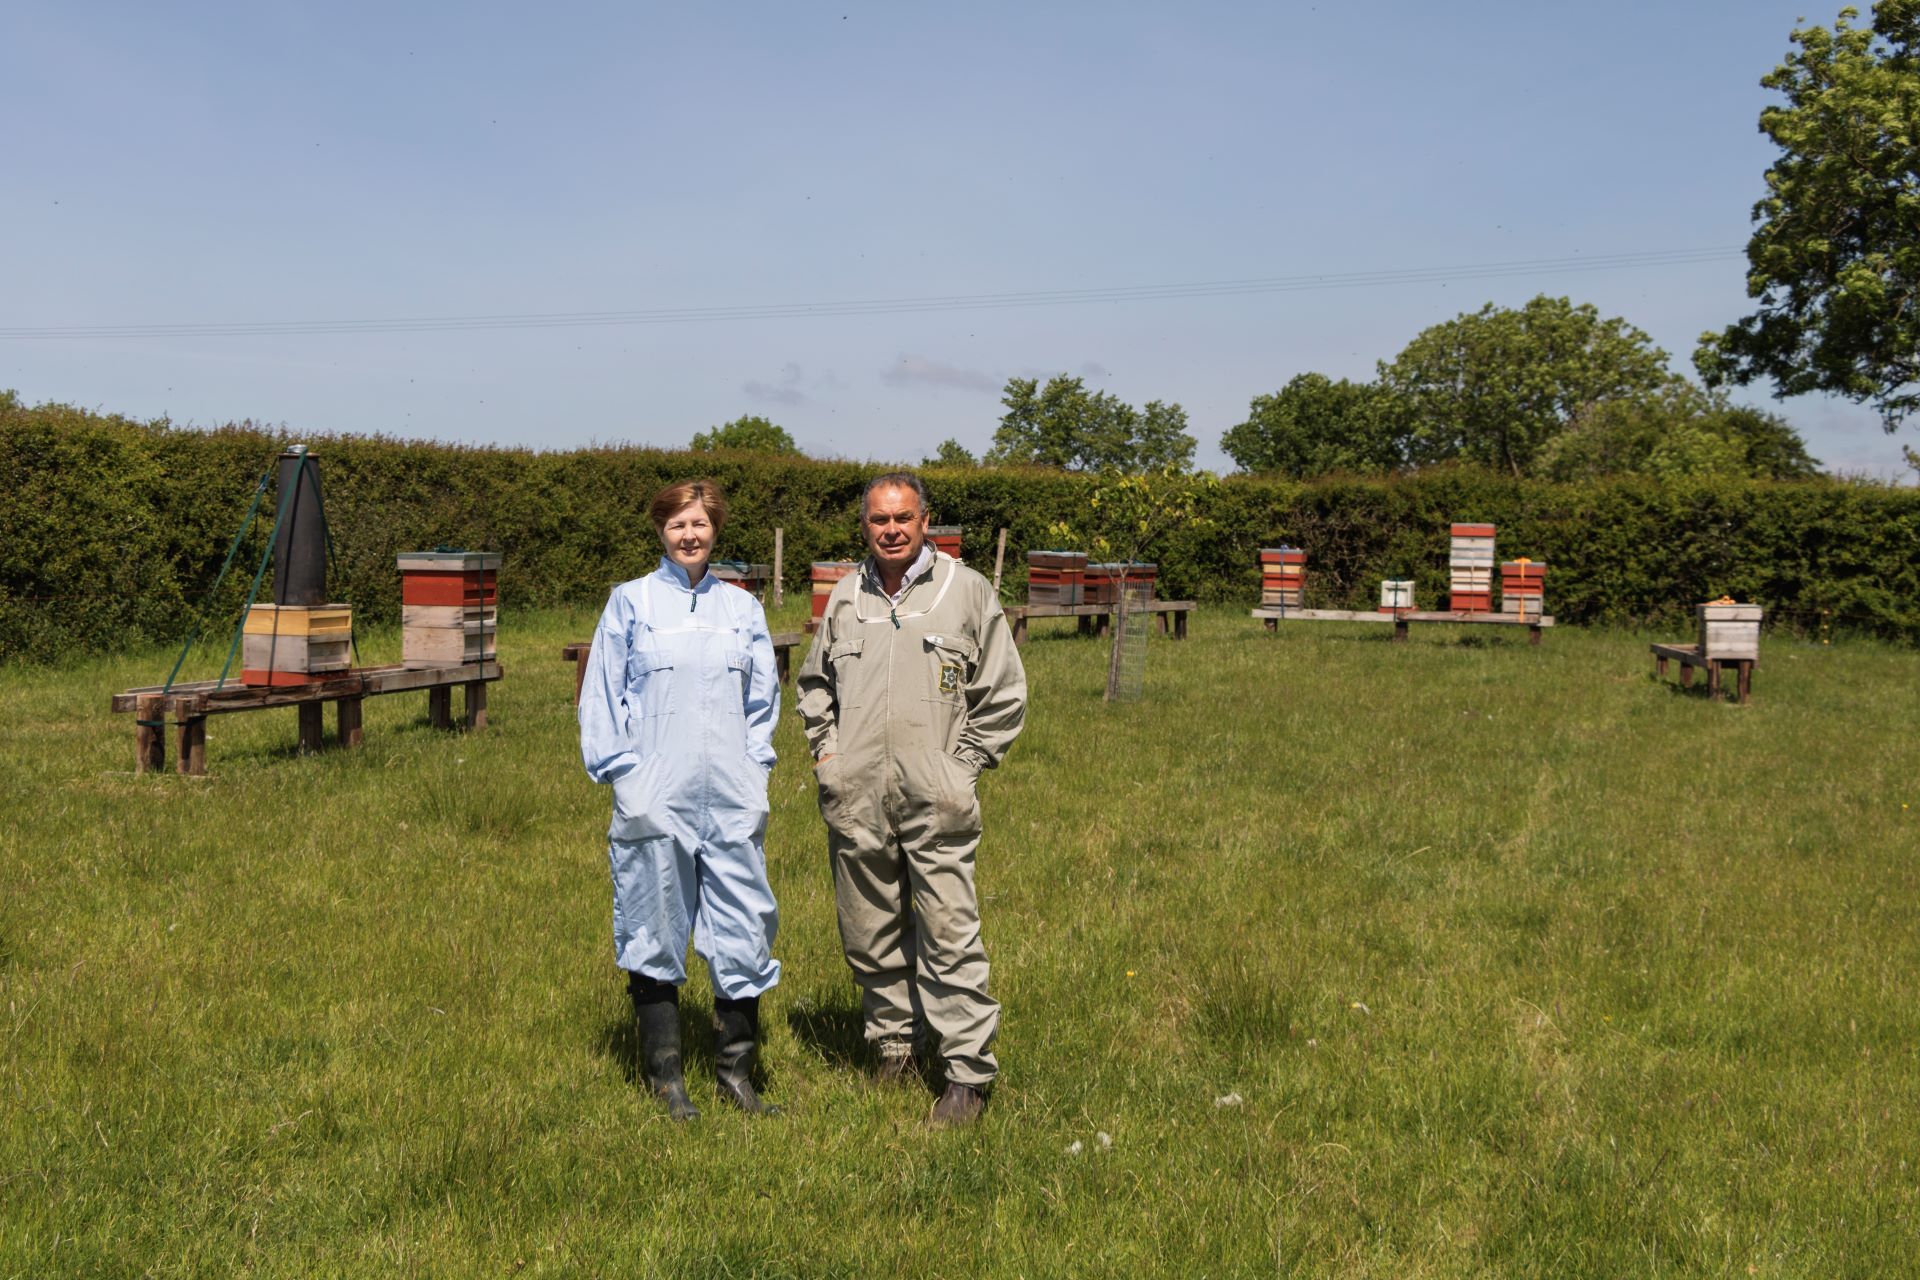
{"type": "Point", "coordinates": [300, 620]}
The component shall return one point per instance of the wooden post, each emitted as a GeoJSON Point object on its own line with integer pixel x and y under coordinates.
{"type": "Point", "coordinates": [440, 706]}
{"type": "Point", "coordinates": [476, 704]}
{"type": "Point", "coordinates": [779, 573]}
{"type": "Point", "coordinates": [311, 735]}
{"type": "Point", "coordinates": [1713, 678]}
{"type": "Point", "coordinates": [999, 559]}
{"type": "Point", "coordinates": [1686, 675]}
{"type": "Point", "coordinates": [1746, 681]}
{"type": "Point", "coordinates": [149, 734]}
{"type": "Point", "coordinates": [1273, 625]}
{"type": "Point", "coordinates": [349, 722]}
{"type": "Point", "coordinates": [1084, 624]}
{"type": "Point", "coordinates": [1660, 664]}
{"type": "Point", "coordinates": [1180, 625]}
{"type": "Point", "coordinates": [1533, 634]}
{"type": "Point", "coordinates": [582, 654]}
{"type": "Point", "coordinates": [1400, 625]}
{"type": "Point", "coordinates": [193, 746]}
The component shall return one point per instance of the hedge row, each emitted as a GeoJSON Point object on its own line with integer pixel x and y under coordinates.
{"type": "Point", "coordinates": [111, 530]}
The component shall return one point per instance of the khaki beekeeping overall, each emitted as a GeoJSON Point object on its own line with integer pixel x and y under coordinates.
{"type": "Point", "coordinates": [910, 702]}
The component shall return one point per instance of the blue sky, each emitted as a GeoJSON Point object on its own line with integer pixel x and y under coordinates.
{"type": "Point", "coordinates": [267, 163]}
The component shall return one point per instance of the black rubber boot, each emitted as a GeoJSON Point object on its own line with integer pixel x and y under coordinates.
{"type": "Point", "coordinates": [656, 1015]}
{"type": "Point", "coordinates": [736, 1038]}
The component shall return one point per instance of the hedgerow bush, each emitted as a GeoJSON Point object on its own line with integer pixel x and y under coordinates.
{"type": "Point", "coordinates": [112, 530]}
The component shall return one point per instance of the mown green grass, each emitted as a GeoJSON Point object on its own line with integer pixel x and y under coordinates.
{"type": "Point", "coordinates": [1518, 963]}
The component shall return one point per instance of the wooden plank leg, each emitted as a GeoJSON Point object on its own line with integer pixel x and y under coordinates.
{"type": "Point", "coordinates": [1019, 628]}
{"type": "Point", "coordinates": [440, 706]}
{"type": "Point", "coordinates": [1273, 624]}
{"type": "Point", "coordinates": [311, 735]}
{"type": "Point", "coordinates": [1180, 625]}
{"type": "Point", "coordinates": [1163, 623]}
{"type": "Point", "coordinates": [149, 734]}
{"type": "Point", "coordinates": [193, 746]}
{"type": "Point", "coordinates": [1084, 624]}
{"type": "Point", "coordinates": [1686, 675]}
{"type": "Point", "coordinates": [1534, 635]}
{"type": "Point", "coordinates": [1746, 681]}
{"type": "Point", "coordinates": [1400, 626]}
{"type": "Point", "coordinates": [1713, 678]}
{"type": "Point", "coordinates": [580, 668]}
{"type": "Point", "coordinates": [1660, 665]}
{"type": "Point", "coordinates": [349, 722]}
{"type": "Point", "coordinates": [1102, 623]}
{"type": "Point", "coordinates": [476, 704]}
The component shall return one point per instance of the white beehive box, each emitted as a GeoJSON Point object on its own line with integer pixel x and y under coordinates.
{"type": "Point", "coordinates": [1729, 631]}
{"type": "Point", "coordinates": [1396, 593]}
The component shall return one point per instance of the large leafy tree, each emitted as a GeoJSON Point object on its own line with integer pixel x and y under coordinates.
{"type": "Point", "coordinates": [1315, 425]}
{"type": "Point", "coordinates": [1835, 258]}
{"type": "Point", "coordinates": [1062, 424]}
{"type": "Point", "coordinates": [751, 433]}
{"type": "Point", "coordinates": [1495, 385]}
{"type": "Point", "coordinates": [1683, 432]}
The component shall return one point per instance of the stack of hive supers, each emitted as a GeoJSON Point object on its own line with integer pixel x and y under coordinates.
{"type": "Point", "coordinates": [751, 578]}
{"type": "Point", "coordinates": [1729, 632]}
{"type": "Point", "coordinates": [1056, 577]}
{"type": "Point", "coordinates": [295, 644]}
{"type": "Point", "coordinates": [448, 607]}
{"type": "Point", "coordinates": [1471, 568]}
{"type": "Point", "coordinates": [1101, 584]}
{"type": "Point", "coordinates": [825, 574]}
{"type": "Point", "coordinates": [945, 537]}
{"type": "Point", "coordinates": [1283, 575]}
{"type": "Point", "coordinates": [1140, 579]}
{"type": "Point", "coordinates": [1523, 587]}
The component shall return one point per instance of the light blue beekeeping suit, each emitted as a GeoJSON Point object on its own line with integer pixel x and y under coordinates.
{"type": "Point", "coordinates": [677, 712]}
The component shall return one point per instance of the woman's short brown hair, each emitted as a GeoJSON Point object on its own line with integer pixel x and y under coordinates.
{"type": "Point", "coordinates": [676, 496]}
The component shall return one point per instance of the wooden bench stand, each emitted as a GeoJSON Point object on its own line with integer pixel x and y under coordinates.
{"type": "Point", "coordinates": [784, 643]}
{"type": "Point", "coordinates": [1097, 619]}
{"type": "Point", "coordinates": [187, 707]}
{"type": "Point", "coordinates": [1689, 657]}
{"type": "Point", "coordinates": [1402, 619]}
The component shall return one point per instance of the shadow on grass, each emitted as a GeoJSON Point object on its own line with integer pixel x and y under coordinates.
{"type": "Point", "coordinates": [835, 1032]}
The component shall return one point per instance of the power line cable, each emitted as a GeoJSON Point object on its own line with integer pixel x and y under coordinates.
{"type": "Point", "coordinates": [885, 306]}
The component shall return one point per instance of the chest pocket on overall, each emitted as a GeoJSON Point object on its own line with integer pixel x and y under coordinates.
{"type": "Point", "coordinates": [950, 661]}
{"type": "Point", "coordinates": [739, 674]}
{"type": "Point", "coordinates": [843, 659]}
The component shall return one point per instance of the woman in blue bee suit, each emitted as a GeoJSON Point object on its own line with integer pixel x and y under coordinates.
{"type": "Point", "coordinates": [677, 712]}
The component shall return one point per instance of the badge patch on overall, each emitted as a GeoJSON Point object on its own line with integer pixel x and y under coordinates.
{"type": "Point", "coordinates": [949, 678]}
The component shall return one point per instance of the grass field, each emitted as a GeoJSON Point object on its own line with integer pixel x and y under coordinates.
{"type": "Point", "coordinates": [1439, 959]}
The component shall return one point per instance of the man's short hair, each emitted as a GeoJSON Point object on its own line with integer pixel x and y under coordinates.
{"type": "Point", "coordinates": [902, 479]}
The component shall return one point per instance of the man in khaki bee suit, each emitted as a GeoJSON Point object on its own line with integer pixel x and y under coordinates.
{"type": "Point", "coordinates": [912, 687]}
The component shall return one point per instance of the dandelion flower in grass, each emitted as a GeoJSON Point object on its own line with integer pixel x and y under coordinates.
{"type": "Point", "coordinates": [1362, 1008]}
{"type": "Point", "coordinates": [1129, 973]}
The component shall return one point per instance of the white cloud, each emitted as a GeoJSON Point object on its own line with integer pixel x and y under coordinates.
{"type": "Point", "coordinates": [918, 371]}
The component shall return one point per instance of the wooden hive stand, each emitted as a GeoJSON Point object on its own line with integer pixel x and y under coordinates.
{"type": "Point", "coordinates": [1729, 638]}
{"type": "Point", "coordinates": [187, 706]}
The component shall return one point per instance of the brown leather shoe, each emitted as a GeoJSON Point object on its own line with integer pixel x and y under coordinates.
{"type": "Point", "coordinates": [896, 1062]}
{"type": "Point", "coordinates": [960, 1104]}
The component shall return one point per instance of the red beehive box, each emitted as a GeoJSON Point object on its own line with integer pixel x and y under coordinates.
{"type": "Point", "coordinates": [825, 574]}
{"type": "Point", "coordinates": [945, 538]}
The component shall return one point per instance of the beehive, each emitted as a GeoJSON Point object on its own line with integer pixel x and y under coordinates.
{"type": "Point", "coordinates": [1523, 587]}
{"type": "Point", "coordinates": [1056, 577]}
{"type": "Point", "coordinates": [751, 578]}
{"type": "Point", "coordinates": [1140, 579]}
{"type": "Point", "coordinates": [1470, 568]}
{"type": "Point", "coordinates": [1101, 583]}
{"type": "Point", "coordinates": [1396, 594]}
{"type": "Point", "coordinates": [825, 573]}
{"type": "Point", "coordinates": [1729, 632]}
{"type": "Point", "coordinates": [1283, 576]}
{"type": "Point", "coordinates": [448, 607]}
{"type": "Point", "coordinates": [295, 644]}
{"type": "Point", "coordinates": [945, 537]}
